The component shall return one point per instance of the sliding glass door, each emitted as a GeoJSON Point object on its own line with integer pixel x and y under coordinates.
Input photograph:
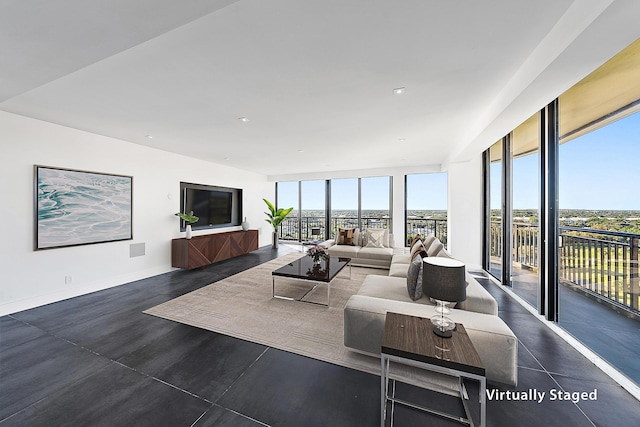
{"type": "Point", "coordinates": [525, 227]}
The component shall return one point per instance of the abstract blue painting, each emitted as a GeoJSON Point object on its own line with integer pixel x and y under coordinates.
{"type": "Point", "coordinates": [78, 208]}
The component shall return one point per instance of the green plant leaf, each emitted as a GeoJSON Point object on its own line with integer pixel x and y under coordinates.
{"type": "Point", "coordinates": [189, 218]}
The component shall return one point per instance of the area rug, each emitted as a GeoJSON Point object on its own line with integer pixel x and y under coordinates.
{"type": "Point", "coordinates": [242, 306]}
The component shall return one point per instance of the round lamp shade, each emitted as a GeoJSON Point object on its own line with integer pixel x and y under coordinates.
{"type": "Point", "coordinates": [443, 279]}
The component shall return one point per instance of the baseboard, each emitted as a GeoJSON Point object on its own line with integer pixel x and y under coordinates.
{"type": "Point", "coordinates": [68, 292]}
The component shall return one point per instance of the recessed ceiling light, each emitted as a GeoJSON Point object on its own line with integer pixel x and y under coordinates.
{"type": "Point", "coordinates": [149, 136]}
{"type": "Point", "coordinates": [398, 91]}
{"type": "Point", "coordinates": [243, 119]}
{"type": "Point", "coordinates": [401, 140]}
{"type": "Point", "coordinates": [226, 158]}
{"type": "Point", "coordinates": [300, 151]}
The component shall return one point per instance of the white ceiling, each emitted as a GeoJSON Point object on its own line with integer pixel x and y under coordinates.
{"type": "Point", "coordinates": [314, 77]}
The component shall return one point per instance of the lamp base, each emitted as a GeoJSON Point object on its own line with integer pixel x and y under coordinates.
{"type": "Point", "coordinates": [439, 332]}
{"type": "Point", "coordinates": [442, 326]}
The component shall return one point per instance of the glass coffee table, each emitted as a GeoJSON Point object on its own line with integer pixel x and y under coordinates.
{"type": "Point", "coordinates": [304, 270]}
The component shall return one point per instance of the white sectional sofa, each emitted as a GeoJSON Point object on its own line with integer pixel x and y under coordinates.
{"type": "Point", "coordinates": [365, 312]}
{"type": "Point", "coordinates": [362, 254]}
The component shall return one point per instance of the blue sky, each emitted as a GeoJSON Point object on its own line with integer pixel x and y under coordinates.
{"type": "Point", "coordinates": [599, 170]}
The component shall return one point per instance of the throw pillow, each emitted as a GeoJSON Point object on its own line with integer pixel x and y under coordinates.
{"type": "Point", "coordinates": [346, 236]}
{"type": "Point", "coordinates": [374, 238]}
{"type": "Point", "coordinates": [414, 241]}
{"type": "Point", "coordinates": [416, 248]}
{"type": "Point", "coordinates": [427, 241]}
{"type": "Point", "coordinates": [357, 237]}
{"type": "Point", "coordinates": [435, 247]}
{"type": "Point", "coordinates": [418, 293]}
{"type": "Point", "coordinates": [419, 254]}
{"type": "Point", "coordinates": [412, 278]}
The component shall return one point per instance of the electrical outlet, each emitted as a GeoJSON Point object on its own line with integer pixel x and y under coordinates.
{"type": "Point", "coordinates": [68, 280]}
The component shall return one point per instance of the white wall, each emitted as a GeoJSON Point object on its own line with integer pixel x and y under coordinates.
{"type": "Point", "coordinates": [32, 278]}
{"type": "Point", "coordinates": [464, 232]}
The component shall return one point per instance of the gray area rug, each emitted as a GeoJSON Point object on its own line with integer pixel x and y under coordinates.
{"type": "Point", "coordinates": [242, 306]}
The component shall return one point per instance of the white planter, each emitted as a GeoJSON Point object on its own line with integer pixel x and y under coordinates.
{"type": "Point", "coordinates": [188, 229]}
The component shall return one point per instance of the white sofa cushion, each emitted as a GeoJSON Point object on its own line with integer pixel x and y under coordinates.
{"type": "Point", "coordinates": [346, 251]}
{"type": "Point", "coordinates": [497, 346]}
{"type": "Point", "coordinates": [376, 253]}
{"type": "Point", "coordinates": [398, 269]}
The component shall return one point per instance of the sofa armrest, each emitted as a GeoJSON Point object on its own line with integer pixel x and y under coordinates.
{"type": "Point", "coordinates": [328, 243]}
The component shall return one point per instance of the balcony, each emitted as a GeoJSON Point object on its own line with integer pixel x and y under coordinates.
{"type": "Point", "coordinates": [602, 264]}
{"type": "Point", "coordinates": [599, 293]}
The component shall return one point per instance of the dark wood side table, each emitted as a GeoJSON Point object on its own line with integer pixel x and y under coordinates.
{"type": "Point", "coordinates": [409, 340]}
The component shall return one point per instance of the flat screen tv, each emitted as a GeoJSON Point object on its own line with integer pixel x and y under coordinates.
{"type": "Point", "coordinates": [215, 206]}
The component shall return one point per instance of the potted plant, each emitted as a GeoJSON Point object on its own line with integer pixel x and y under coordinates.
{"type": "Point", "coordinates": [275, 217]}
{"type": "Point", "coordinates": [189, 219]}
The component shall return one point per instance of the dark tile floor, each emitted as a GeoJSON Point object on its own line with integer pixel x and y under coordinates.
{"type": "Point", "coordinates": [97, 360]}
{"type": "Point", "coordinates": [613, 336]}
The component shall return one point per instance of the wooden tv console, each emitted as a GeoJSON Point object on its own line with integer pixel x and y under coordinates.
{"type": "Point", "coordinates": [200, 251]}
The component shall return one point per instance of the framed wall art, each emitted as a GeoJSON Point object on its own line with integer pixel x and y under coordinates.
{"type": "Point", "coordinates": [74, 207]}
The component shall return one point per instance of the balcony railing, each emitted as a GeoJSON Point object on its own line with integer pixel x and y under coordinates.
{"type": "Point", "coordinates": [301, 229]}
{"type": "Point", "coordinates": [426, 226]}
{"type": "Point", "coordinates": [601, 263]}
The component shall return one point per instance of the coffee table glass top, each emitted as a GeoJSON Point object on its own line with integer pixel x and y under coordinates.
{"type": "Point", "coordinates": [303, 268]}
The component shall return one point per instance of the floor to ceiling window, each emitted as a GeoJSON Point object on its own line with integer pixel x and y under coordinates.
{"type": "Point", "coordinates": [323, 206]}
{"type": "Point", "coordinates": [287, 196]}
{"type": "Point", "coordinates": [313, 210]}
{"type": "Point", "coordinates": [571, 239]}
{"type": "Point", "coordinates": [344, 204]}
{"type": "Point", "coordinates": [375, 202]}
{"type": "Point", "coordinates": [599, 210]}
{"type": "Point", "coordinates": [426, 206]}
{"type": "Point", "coordinates": [525, 149]}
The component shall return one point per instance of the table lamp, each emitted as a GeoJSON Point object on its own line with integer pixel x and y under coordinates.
{"type": "Point", "coordinates": [315, 232]}
{"type": "Point", "coordinates": [443, 279]}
